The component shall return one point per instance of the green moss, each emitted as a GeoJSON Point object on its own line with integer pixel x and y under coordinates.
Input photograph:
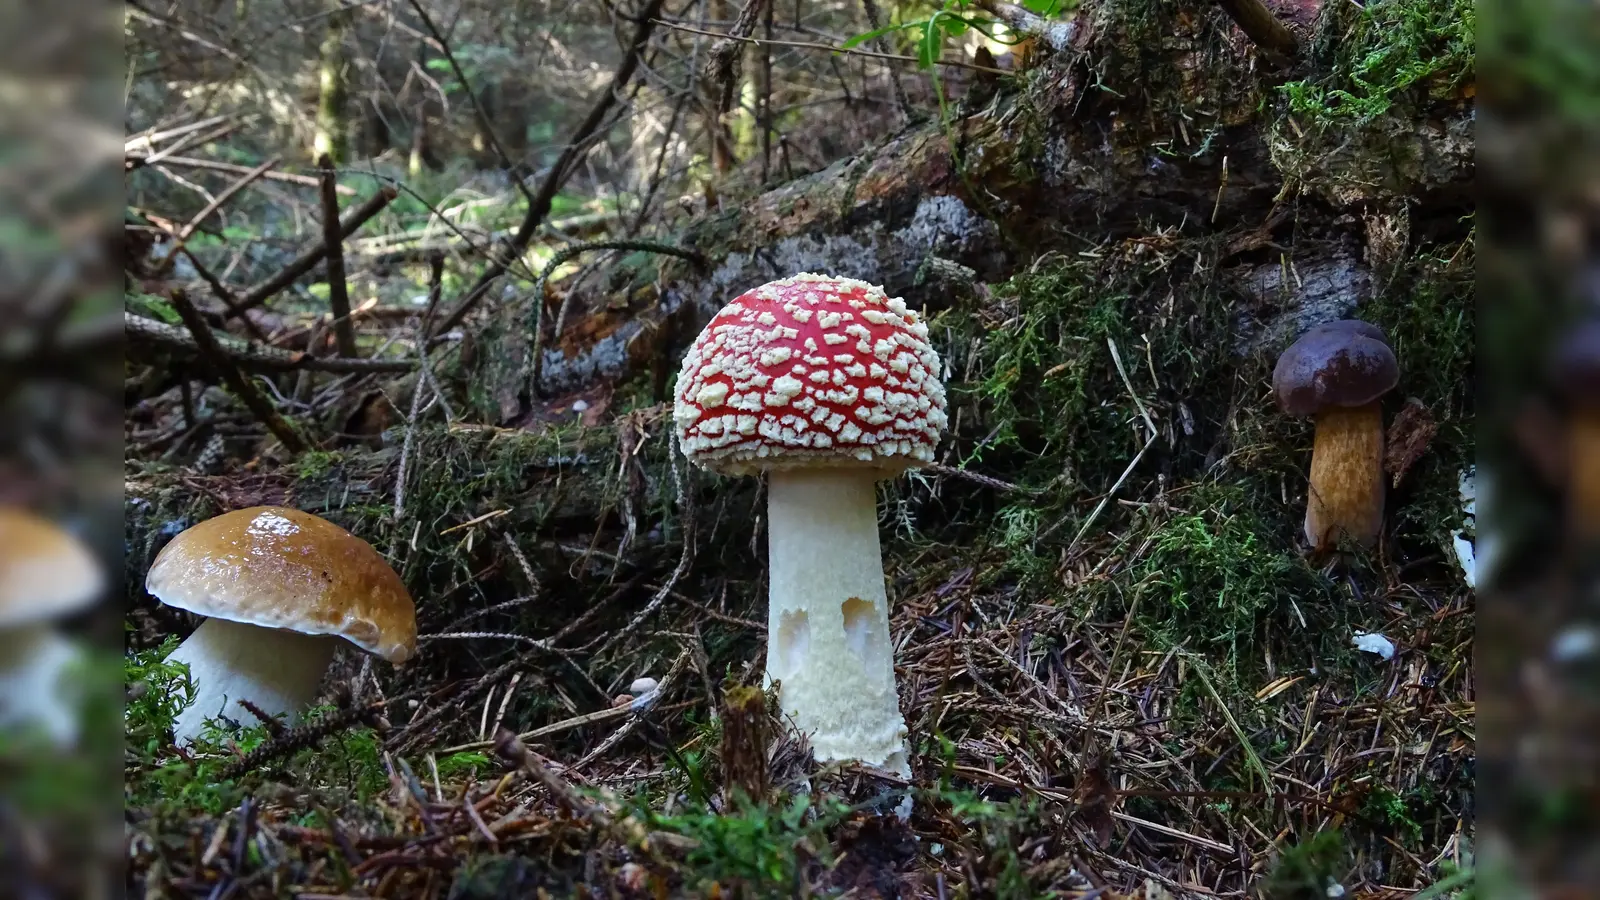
{"type": "Point", "coordinates": [160, 780]}
{"type": "Point", "coordinates": [1544, 62]}
{"type": "Point", "coordinates": [1429, 317]}
{"type": "Point", "coordinates": [1381, 53]}
{"type": "Point", "coordinates": [465, 763]}
{"type": "Point", "coordinates": [1386, 806]}
{"type": "Point", "coordinates": [315, 463]}
{"type": "Point", "coordinates": [751, 850]}
{"type": "Point", "coordinates": [1214, 570]}
{"type": "Point", "coordinates": [1307, 870]}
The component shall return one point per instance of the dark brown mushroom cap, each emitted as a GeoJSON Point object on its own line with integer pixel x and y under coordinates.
{"type": "Point", "coordinates": [1577, 364]}
{"type": "Point", "coordinates": [1344, 363]}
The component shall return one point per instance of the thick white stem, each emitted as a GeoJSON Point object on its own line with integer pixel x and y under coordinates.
{"type": "Point", "coordinates": [828, 623]}
{"type": "Point", "coordinates": [276, 669]}
{"type": "Point", "coordinates": [37, 689]}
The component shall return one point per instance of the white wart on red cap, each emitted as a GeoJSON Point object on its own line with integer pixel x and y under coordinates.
{"type": "Point", "coordinates": [811, 370]}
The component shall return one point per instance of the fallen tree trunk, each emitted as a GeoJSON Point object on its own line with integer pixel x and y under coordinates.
{"type": "Point", "coordinates": [1137, 119]}
{"type": "Point", "coordinates": [1132, 133]}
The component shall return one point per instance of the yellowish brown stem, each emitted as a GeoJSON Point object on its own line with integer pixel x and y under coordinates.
{"type": "Point", "coordinates": [1345, 501]}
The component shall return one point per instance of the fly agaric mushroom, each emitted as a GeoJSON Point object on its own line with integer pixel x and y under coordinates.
{"type": "Point", "coordinates": [278, 588]}
{"type": "Point", "coordinates": [829, 386]}
{"type": "Point", "coordinates": [1336, 372]}
{"type": "Point", "coordinates": [1577, 374]}
{"type": "Point", "coordinates": [45, 574]}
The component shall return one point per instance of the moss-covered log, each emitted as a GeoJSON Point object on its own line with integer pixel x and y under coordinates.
{"type": "Point", "coordinates": [1137, 118]}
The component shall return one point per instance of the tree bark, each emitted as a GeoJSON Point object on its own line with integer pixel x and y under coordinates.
{"type": "Point", "coordinates": [333, 131]}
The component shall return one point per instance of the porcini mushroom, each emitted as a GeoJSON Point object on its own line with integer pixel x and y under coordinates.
{"type": "Point", "coordinates": [45, 574]}
{"type": "Point", "coordinates": [278, 587]}
{"type": "Point", "coordinates": [1336, 372]}
{"type": "Point", "coordinates": [1577, 375]}
{"type": "Point", "coordinates": [828, 386]}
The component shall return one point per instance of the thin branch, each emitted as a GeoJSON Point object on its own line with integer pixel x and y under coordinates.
{"type": "Point", "coordinates": [306, 261]}
{"type": "Point", "coordinates": [484, 122]}
{"type": "Point", "coordinates": [875, 21]}
{"type": "Point", "coordinates": [147, 139]}
{"type": "Point", "coordinates": [344, 330]}
{"type": "Point", "coordinates": [135, 161]}
{"type": "Point", "coordinates": [1261, 26]}
{"type": "Point", "coordinates": [511, 748]}
{"type": "Point", "coordinates": [230, 373]}
{"type": "Point", "coordinates": [807, 45]}
{"type": "Point", "coordinates": [258, 357]}
{"type": "Point", "coordinates": [539, 206]}
{"type": "Point", "coordinates": [222, 292]}
{"type": "Point", "coordinates": [187, 231]}
{"type": "Point", "coordinates": [722, 69]}
{"type": "Point", "coordinates": [661, 158]}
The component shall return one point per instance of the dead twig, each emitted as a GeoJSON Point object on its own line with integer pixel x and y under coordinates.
{"type": "Point", "coordinates": [640, 707]}
{"type": "Point", "coordinates": [227, 370]}
{"type": "Point", "coordinates": [509, 747]}
{"type": "Point", "coordinates": [344, 331]}
{"type": "Point", "coordinates": [722, 68]}
{"type": "Point", "coordinates": [187, 231]}
{"type": "Point", "coordinates": [1261, 26]}
{"type": "Point", "coordinates": [307, 735]}
{"type": "Point", "coordinates": [485, 123]}
{"type": "Point", "coordinates": [184, 162]}
{"type": "Point", "coordinates": [306, 261]}
{"type": "Point", "coordinates": [810, 45]}
{"type": "Point", "coordinates": [257, 357]}
{"type": "Point", "coordinates": [539, 206]}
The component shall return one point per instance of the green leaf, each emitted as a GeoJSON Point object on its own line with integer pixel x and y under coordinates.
{"type": "Point", "coordinates": [860, 39]}
{"type": "Point", "coordinates": [1043, 7]}
{"type": "Point", "coordinates": [153, 307]}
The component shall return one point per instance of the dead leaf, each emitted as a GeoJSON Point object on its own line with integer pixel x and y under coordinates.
{"type": "Point", "coordinates": [1409, 437]}
{"type": "Point", "coordinates": [1094, 796]}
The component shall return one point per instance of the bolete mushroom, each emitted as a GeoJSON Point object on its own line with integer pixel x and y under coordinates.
{"type": "Point", "coordinates": [46, 574]}
{"type": "Point", "coordinates": [828, 386]}
{"type": "Point", "coordinates": [1336, 372]}
{"type": "Point", "coordinates": [1577, 375]}
{"type": "Point", "coordinates": [278, 587]}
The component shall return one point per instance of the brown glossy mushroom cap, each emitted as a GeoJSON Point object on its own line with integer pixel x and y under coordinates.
{"type": "Point", "coordinates": [1577, 364]}
{"type": "Point", "coordinates": [284, 568]}
{"type": "Point", "coordinates": [44, 571]}
{"type": "Point", "coordinates": [1344, 363]}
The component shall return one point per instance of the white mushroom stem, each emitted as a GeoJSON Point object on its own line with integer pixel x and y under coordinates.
{"type": "Point", "coordinates": [37, 690]}
{"type": "Point", "coordinates": [828, 622]}
{"type": "Point", "coordinates": [276, 669]}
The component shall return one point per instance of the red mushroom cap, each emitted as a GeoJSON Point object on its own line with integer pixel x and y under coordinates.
{"type": "Point", "coordinates": [811, 371]}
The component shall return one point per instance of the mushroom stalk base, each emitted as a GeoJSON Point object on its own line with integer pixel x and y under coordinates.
{"type": "Point", "coordinates": [828, 641]}
{"type": "Point", "coordinates": [277, 670]}
{"type": "Point", "coordinates": [1345, 500]}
